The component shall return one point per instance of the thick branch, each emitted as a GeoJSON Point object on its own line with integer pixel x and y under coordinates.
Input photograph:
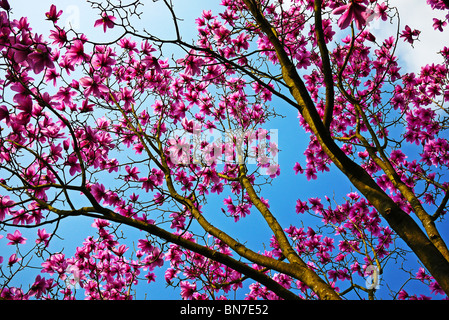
{"type": "Point", "coordinates": [310, 278]}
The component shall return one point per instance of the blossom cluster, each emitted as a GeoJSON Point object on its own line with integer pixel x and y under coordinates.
{"type": "Point", "coordinates": [131, 139]}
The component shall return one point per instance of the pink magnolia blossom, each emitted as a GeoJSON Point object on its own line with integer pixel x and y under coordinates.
{"type": "Point", "coordinates": [5, 5]}
{"type": "Point", "coordinates": [145, 246]}
{"type": "Point", "coordinates": [297, 168]}
{"type": "Point", "coordinates": [381, 10]}
{"type": "Point", "coordinates": [74, 165]}
{"type": "Point", "coordinates": [4, 114]}
{"type": "Point", "coordinates": [106, 21]}
{"type": "Point", "coordinates": [59, 36]}
{"type": "Point", "coordinates": [75, 53]}
{"type": "Point", "coordinates": [437, 4]}
{"type": "Point", "coordinates": [40, 286]}
{"type": "Point", "coordinates": [43, 237]}
{"type": "Point", "coordinates": [104, 62]}
{"type": "Point", "coordinates": [53, 14]}
{"type": "Point", "coordinates": [13, 259]}
{"type": "Point", "coordinates": [438, 24]}
{"type": "Point", "coordinates": [93, 86]}
{"type": "Point", "coordinates": [192, 64]}
{"type": "Point", "coordinates": [355, 11]}
{"type": "Point", "coordinates": [98, 190]}
{"type": "Point", "coordinates": [152, 63]}
{"type": "Point", "coordinates": [187, 289]}
{"type": "Point", "coordinates": [41, 58]}
{"type": "Point", "coordinates": [16, 238]}
{"type": "Point", "coordinates": [5, 205]}
{"type": "Point", "coordinates": [410, 35]}
{"type": "Point", "coordinates": [132, 173]}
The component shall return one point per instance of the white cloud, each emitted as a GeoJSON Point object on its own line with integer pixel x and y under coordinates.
{"type": "Point", "coordinates": [418, 15]}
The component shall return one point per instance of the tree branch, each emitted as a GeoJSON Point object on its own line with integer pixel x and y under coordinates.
{"type": "Point", "coordinates": [326, 66]}
{"type": "Point", "coordinates": [442, 206]}
{"type": "Point", "coordinates": [185, 243]}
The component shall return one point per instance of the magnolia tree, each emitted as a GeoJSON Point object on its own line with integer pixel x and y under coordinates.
{"type": "Point", "coordinates": [145, 133]}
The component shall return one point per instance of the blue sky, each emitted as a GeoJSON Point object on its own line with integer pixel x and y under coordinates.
{"type": "Point", "coordinates": [292, 140]}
